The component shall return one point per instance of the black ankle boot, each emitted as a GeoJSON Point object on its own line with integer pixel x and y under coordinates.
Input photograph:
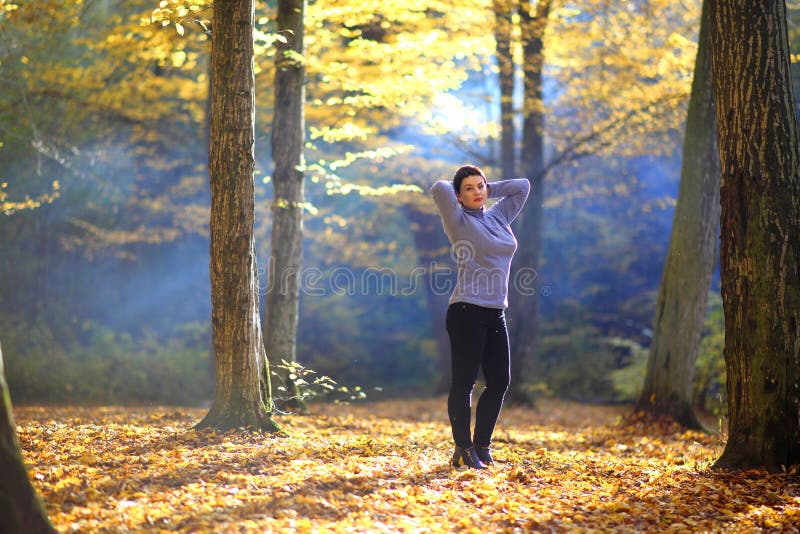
{"type": "Point", "coordinates": [484, 455]}
{"type": "Point", "coordinates": [467, 457]}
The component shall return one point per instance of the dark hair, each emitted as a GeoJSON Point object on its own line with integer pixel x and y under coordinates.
{"type": "Point", "coordinates": [463, 172]}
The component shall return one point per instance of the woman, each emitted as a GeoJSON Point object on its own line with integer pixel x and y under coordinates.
{"type": "Point", "coordinates": [483, 244]}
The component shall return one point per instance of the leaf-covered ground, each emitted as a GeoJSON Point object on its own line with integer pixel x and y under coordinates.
{"type": "Point", "coordinates": [383, 467]}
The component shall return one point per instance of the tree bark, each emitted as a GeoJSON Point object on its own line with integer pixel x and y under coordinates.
{"type": "Point", "coordinates": [760, 244]}
{"type": "Point", "coordinates": [21, 511]}
{"type": "Point", "coordinates": [524, 305]}
{"type": "Point", "coordinates": [239, 353]}
{"type": "Point", "coordinates": [288, 134]}
{"type": "Point", "coordinates": [503, 13]}
{"type": "Point", "coordinates": [683, 294]}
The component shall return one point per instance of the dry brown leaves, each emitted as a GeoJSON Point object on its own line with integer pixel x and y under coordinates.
{"type": "Point", "coordinates": [383, 467]}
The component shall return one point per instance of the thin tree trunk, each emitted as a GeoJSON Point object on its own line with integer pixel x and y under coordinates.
{"type": "Point", "coordinates": [288, 134]}
{"type": "Point", "coordinates": [503, 13]}
{"type": "Point", "coordinates": [760, 245]}
{"type": "Point", "coordinates": [238, 346]}
{"type": "Point", "coordinates": [429, 241]}
{"type": "Point", "coordinates": [21, 511]}
{"type": "Point", "coordinates": [682, 297]}
{"type": "Point", "coordinates": [523, 301]}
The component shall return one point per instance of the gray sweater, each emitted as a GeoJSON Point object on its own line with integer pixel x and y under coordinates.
{"type": "Point", "coordinates": [482, 241]}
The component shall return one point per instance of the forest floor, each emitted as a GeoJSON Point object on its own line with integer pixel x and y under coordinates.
{"type": "Point", "coordinates": [383, 467]}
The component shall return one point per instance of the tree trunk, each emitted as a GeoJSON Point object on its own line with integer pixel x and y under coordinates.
{"type": "Point", "coordinates": [503, 13]}
{"type": "Point", "coordinates": [288, 134]}
{"type": "Point", "coordinates": [524, 304]}
{"type": "Point", "coordinates": [429, 241]}
{"type": "Point", "coordinates": [21, 511]}
{"type": "Point", "coordinates": [760, 244]}
{"type": "Point", "coordinates": [238, 346]}
{"type": "Point", "coordinates": [682, 297]}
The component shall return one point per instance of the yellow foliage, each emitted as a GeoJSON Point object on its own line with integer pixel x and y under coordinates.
{"type": "Point", "coordinates": [9, 206]}
{"type": "Point", "coordinates": [7, 5]}
{"type": "Point", "coordinates": [397, 55]}
{"type": "Point", "coordinates": [178, 13]}
{"type": "Point", "coordinates": [620, 73]}
{"type": "Point", "coordinates": [624, 73]}
{"type": "Point", "coordinates": [347, 131]}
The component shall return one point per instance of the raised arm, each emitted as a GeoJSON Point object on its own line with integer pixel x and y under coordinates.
{"type": "Point", "coordinates": [445, 198]}
{"type": "Point", "coordinates": [512, 195]}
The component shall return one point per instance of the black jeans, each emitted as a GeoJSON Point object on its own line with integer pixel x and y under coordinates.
{"type": "Point", "coordinates": [478, 340]}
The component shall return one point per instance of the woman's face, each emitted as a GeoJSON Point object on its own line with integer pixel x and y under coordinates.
{"type": "Point", "coordinates": [473, 192]}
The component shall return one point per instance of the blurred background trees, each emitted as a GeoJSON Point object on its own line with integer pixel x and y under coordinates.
{"type": "Point", "coordinates": [104, 124]}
